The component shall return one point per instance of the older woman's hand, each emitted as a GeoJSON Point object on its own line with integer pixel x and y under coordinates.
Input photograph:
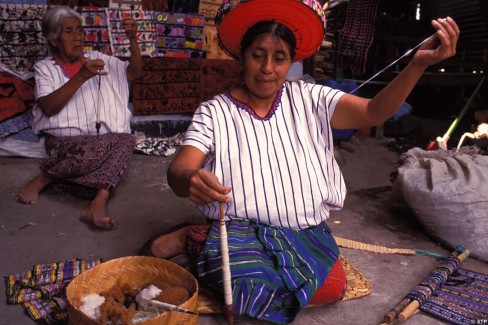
{"type": "Point", "coordinates": [92, 68]}
{"type": "Point", "coordinates": [205, 188]}
{"type": "Point", "coordinates": [130, 27]}
{"type": "Point", "coordinates": [440, 47]}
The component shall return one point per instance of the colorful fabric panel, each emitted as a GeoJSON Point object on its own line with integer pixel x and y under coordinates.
{"type": "Point", "coordinates": [96, 29]}
{"type": "Point", "coordinates": [146, 37]}
{"type": "Point", "coordinates": [462, 299]}
{"type": "Point", "coordinates": [16, 95]}
{"type": "Point", "coordinates": [179, 35]}
{"type": "Point", "coordinates": [16, 124]}
{"type": "Point", "coordinates": [175, 85]}
{"type": "Point", "coordinates": [40, 291]}
{"type": "Point", "coordinates": [21, 40]}
{"type": "Point", "coordinates": [127, 4]}
{"type": "Point", "coordinates": [208, 9]}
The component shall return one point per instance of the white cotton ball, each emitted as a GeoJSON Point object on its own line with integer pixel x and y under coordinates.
{"type": "Point", "coordinates": [146, 295]}
{"type": "Point", "coordinates": [91, 305]}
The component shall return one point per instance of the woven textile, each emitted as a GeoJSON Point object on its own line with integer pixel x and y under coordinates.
{"type": "Point", "coordinates": [83, 164]}
{"type": "Point", "coordinates": [15, 124]}
{"type": "Point", "coordinates": [357, 286]}
{"type": "Point", "coordinates": [463, 299]}
{"type": "Point", "coordinates": [146, 36]}
{"type": "Point", "coordinates": [41, 291]}
{"type": "Point", "coordinates": [127, 4]}
{"type": "Point", "coordinates": [16, 95]}
{"type": "Point", "coordinates": [209, 9]}
{"type": "Point", "coordinates": [176, 85]}
{"type": "Point", "coordinates": [21, 41]}
{"type": "Point", "coordinates": [357, 35]}
{"type": "Point", "coordinates": [179, 35]}
{"type": "Point", "coordinates": [96, 29]}
{"type": "Point", "coordinates": [275, 270]}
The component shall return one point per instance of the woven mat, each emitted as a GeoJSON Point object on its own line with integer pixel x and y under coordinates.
{"type": "Point", "coordinates": [357, 286]}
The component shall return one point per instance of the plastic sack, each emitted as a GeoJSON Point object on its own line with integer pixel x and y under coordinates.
{"type": "Point", "coordinates": [448, 193]}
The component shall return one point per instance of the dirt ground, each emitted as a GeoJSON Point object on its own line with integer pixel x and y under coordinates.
{"type": "Point", "coordinates": [144, 205]}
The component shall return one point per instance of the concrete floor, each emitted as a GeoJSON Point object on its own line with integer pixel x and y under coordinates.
{"type": "Point", "coordinates": [144, 205]}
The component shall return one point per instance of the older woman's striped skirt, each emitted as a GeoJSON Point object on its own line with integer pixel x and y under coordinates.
{"type": "Point", "coordinates": [84, 164]}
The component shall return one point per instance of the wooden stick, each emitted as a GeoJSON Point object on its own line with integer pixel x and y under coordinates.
{"type": "Point", "coordinates": [392, 315]}
{"type": "Point", "coordinates": [226, 275]}
{"type": "Point", "coordinates": [414, 305]}
{"type": "Point", "coordinates": [170, 307]}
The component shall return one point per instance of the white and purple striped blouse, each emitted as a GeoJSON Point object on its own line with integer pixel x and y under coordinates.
{"type": "Point", "coordinates": [281, 168]}
{"type": "Point", "coordinates": [79, 115]}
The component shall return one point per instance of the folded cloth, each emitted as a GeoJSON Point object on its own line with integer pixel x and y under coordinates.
{"type": "Point", "coordinates": [15, 124]}
{"type": "Point", "coordinates": [159, 146]}
{"type": "Point", "coordinates": [41, 291]}
{"type": "Point", "coordinates": [155, 147]}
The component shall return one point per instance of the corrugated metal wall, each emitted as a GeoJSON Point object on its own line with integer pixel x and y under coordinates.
{"type": "Point", "coordinates": [472, 19]}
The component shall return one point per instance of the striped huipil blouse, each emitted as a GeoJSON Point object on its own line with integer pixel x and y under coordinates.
{"type": "Point", "coordinates": [79, 115]}
{"type": "Point", "coordinates": [281, 168]}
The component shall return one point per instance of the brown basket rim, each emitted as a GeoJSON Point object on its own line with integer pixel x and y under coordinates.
{"type": "Point", "coordinates": [137, 270]}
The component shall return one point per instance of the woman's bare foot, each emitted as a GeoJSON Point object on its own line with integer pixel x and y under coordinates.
{"type": "Point", "coordinates": [96, 213]}
{"type": "Point", "coordinates": [170, 245]}
{"type": "Point", "coordinates": [29, 194]}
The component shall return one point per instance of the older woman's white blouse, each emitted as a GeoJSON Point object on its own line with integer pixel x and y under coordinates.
{"type": "Point", "coordinates": [79, 115]}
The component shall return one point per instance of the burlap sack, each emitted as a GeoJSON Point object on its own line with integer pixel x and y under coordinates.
{"type": "Point", "coordinates": [448, 192]}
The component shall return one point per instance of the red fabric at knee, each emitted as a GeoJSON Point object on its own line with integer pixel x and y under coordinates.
{"type": "Point", "coordinates": [334, 287]}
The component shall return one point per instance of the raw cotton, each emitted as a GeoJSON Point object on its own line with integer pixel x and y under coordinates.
{"type": "Point", "coordinates": [92, 305]}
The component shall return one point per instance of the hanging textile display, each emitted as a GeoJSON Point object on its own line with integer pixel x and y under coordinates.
{"type": "Point", "coordinates": [167, 86]}
{"type": "Point", "coordinates": [127, 4]}
{"type": "Point", "coordinates": [21, 40]}
{"type": "Point", "coordinates": [175, 85]}
{"type": "Point", "coordinates": [357, 35]}
{"type": "Point", "coordinates": [146, 37]}
{"type": "Point", "coordinates": [208, 9]}
{"type": "Point", "coordinates": [78, 3]}
{"type": "Point", "coordinates": [156, 5]}
{"type": "Point", "coordinates": [96, 29]}
{"type": "Point", "coordinates": [179, 35]}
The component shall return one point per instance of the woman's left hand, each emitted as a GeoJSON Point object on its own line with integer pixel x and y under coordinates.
{"type": "Point", "coordinates": [441, 46]}
{"type": "Point", "coordinates": [130, 27]}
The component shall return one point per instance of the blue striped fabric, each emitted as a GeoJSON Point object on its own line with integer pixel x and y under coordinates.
{"type": "Point", "coordinates": [275, 270]}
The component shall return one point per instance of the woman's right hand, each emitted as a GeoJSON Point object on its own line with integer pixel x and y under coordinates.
{"type": "Point", "coordinates": [92, 68]}
{"type": "Point", "coordinates": [204, 187]}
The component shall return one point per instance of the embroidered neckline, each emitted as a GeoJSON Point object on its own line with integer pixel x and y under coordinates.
{"type": "Point", "coordinates": [69, 70]}
{"type": "Point", "coordinates": [248, 109]}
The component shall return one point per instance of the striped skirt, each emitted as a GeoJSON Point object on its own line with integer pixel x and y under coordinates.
{"type": "Point", "coordinates": [275, 271]}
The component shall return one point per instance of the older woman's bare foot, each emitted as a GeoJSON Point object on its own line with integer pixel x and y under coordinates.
{"type": "Point", "coordinates": [170, 245]}
{"type": "Point", "coordinates": [96, 213]}
{"type": "Point", "coordinates": [29, 194]}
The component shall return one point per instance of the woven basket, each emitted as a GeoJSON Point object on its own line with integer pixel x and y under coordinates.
{"type": "Point", "coordinates": [136, 271]}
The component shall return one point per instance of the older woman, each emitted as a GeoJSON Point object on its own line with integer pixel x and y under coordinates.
{"type": "Point", "coordinates": [82, 110]}
{"type": "Point", "coordinates": [265, 150]}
